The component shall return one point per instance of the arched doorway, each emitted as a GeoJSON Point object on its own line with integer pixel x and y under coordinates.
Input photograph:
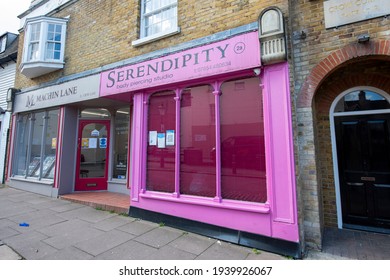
{"type": "Point", "coordinates": [360, 134]}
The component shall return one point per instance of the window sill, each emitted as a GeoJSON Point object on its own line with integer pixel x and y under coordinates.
{"type": "Point", "coordinates": [34, 180]}
{"type": "Point", "coordinates": [117, 181]}
{"type": "Point", "coordinates": [155, 37]}
{"type": "Point", "coordinates": [262, 208]}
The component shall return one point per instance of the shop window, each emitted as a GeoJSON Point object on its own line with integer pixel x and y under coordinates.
{"type": "Point", "coordinates": [197, 142]}
{"type": "Point", "coordinates": [121, 142]}
{"type": "Point", "coordinates": [160, 175]}
{"type": "Point", "coordinates": [44, 46]}
{"type": "Point", "coordinates": [243, 173]}
{"type": "Point", "coordinates": [36, 144]}
{"type": "Point", "coordinates": [158, 20]}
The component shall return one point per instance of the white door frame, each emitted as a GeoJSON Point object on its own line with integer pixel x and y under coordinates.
{"type": "Point", "coordinates": [332, 115]}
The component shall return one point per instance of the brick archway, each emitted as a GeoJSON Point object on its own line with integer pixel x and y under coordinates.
{"type": "Point", "coordinates": [310, 179]}
{"type": "Point", "coordinates": [333, 61]}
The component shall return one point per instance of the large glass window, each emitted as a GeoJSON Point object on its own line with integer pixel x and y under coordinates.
{"type": "Point", "coordinates": [122, 119]}
{"type": "Point", "coordinates": [197, 142]}
{"type": "Point", "coordinates": [36, 144]}
{"type": "Point", "coordinates": [160, 174]}
{"type": "Point", "coordinates": [234, 168]}
{"type": "Point", "coordinates": [243, 174]}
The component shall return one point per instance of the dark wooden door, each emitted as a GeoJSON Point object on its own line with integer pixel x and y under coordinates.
{"type": "Point", "coordinates": [363, 149]}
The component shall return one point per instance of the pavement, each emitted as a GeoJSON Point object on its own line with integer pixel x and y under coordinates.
{"type": "Point", "coordinates": [36, 227]}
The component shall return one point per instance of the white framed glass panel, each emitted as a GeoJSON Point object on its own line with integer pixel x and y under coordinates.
{"type": "Point", "coordinates": [121, 142]}
{"type": "Point", "coordinates": [33, 46]}
{"type": "Point", "coordinates": [37, 123]}
{"type": "Point", "coordinates": [158, 16]}
{"type": "Point", "coordinates": [21, 145]}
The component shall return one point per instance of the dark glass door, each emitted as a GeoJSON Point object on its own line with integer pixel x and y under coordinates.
{"type": "Point", "coordinates": [363, 149]}
{"type": "Point", "coordinates": [92, 155]}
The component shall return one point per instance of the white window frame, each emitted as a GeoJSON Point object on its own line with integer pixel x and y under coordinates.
{"type": "Point", "coordinates": [144, 39]}
{"type": "Point", "coordinates": [40, 61]}
{"type": "Point", "coordinates": [3, 43]}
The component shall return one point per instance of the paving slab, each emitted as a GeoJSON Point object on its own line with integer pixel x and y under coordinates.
{"type": "Point", "coordinates": [14, 211]}
{"type": "Point", "coordinates": [261, 255]}
{"type": "Point", "coordinates": [6, 253]}
{"type": "Point", "coordinates": [103, 242]}
{"type": "Point", "coordinates": [86, 213]}
{"type": "Point", "coordinates": [170, 253]}
{"type": "Point", "coordinates": [224, 251]}
{"type": "Point", "coordinates": [69, 253]}
{"type": "Point", "coordinates": [159, 237]}
{"type": "Point", "coordinates": [63, 206]}
{"type": "Point", "coordinates": [138, 227]}
{"type": "Point", "coordinates": [7, 231]}
{"type": "Point", "coordinates": [113, 222]}
{"type": "Point", "coordinates": [34, 214]}
{"type": "Point", "coordinates": [62, 241]}
{"type": "Point", "coordinates": [130, 250]}
{"type": "Point", "coordinates": [64, 228]}
{"type": "Point", "coordinates": [192, 243]}
{"type": "Point", "coordinates": [35, 250]}
{"type": "Point", "coordinates": [24, 239]}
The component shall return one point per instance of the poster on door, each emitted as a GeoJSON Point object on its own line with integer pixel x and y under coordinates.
{"type": "Point", "coordinates": [102, 143]}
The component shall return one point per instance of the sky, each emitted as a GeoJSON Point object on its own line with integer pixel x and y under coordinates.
{"type": "Point", "coordinates": [9, 11]}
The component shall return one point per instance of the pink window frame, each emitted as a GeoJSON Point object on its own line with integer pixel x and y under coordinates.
{"type": "Point", "coordinates": [277, 217]}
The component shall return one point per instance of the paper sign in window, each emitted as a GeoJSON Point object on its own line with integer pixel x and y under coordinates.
{"type": "Point", "coordinates": [85, 143]}
{"type": "Point", "coordinates": [92, 143]}
{"type": "Point", "coordinates": [170, 141]}
{"type": "Point", "coordinates": [160, 140]}
{"type": "Point", "coordinates": [102, 143]}
{"type": "Point", "coordinates": [152, 138]}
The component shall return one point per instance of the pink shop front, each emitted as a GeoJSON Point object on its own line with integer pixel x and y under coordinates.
{"type": "Point", "coordinates": [211, 146]}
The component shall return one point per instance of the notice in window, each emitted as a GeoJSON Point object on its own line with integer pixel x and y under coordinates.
{"type": "Point", "coordinates": [102, 143]}
{"type": "Point", "coordinates": [92, 143]}
{"type": "Point", "coordinates": [53, 143]}
{"type": "Point", "coordinates": [152, 138]}
{"type": "Point", "coordinates": [170, 141]}
{"type": "Point", "coordinates": [85, 143]}
{"type": "Point", "coordinates": [161, 140]}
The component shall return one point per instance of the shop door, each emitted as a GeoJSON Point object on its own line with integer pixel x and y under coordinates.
{"type": "Point", "coordinates": [92, 155]}
{"type": "Point", "coordinates": [363, 149]}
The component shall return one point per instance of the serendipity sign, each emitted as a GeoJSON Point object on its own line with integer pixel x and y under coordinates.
{"type": "Point", "coordinates": [341, 12]}
{"type": "Point", "coordinates": [68, 92]}
{"type": "Point", "coordinates": [237, 53]}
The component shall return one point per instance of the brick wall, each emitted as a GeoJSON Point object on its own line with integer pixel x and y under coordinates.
{"type": "Point", "coordinates": [326, 63]}
{"type": "Point", "coordinates": [101, 32]}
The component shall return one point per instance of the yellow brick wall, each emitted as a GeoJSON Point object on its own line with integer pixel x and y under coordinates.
{"type": "Point", "coordinates": [308, 16]}
{"type": "Point", "coordinates": [101, 32]}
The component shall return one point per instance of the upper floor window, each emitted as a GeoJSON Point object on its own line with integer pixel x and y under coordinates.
{"type": "Point", "coordinates": [3, 43]}
{"type": "Point", "coordinates": [158, 20]}
{"type": "Point", "coordinates": [44, 46]}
